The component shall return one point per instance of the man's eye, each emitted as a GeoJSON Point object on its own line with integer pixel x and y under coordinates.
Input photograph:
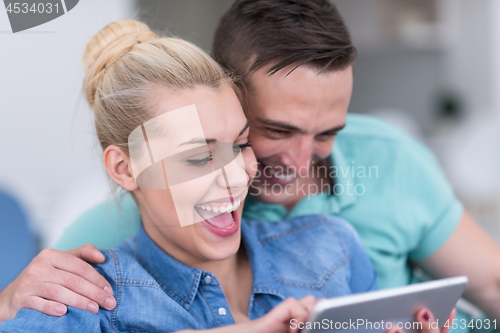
{"type": "Point", "coordinates": [325, 137]}
{"type": "Point", "coordinates": [277, 132]}
{"type": "Point", "coordinates": [199, 162]}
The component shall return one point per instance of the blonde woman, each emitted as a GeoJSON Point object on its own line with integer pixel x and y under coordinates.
{"type": "Point", "coordinates": [174, 135]}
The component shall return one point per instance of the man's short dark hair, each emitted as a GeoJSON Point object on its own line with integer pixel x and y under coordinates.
{"type": "Point", "coordinates": [256, 33]}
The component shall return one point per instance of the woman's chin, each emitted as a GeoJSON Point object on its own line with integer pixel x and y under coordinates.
{"type": "Point", "coordinates": [222, 235]}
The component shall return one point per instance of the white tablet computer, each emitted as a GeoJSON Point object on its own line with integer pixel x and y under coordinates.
{"type": "Point", "coordinates": [378, 311]}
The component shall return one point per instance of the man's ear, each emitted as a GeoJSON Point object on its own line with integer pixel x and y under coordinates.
{"type": "Point", "coordinates": [119, 168]}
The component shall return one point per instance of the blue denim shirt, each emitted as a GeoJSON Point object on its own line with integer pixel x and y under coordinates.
{"type": "Point", "coordinates": [308, 255]}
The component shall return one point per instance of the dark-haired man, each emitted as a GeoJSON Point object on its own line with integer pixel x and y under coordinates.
{"type": "Point", "coordinates": [295, 59]}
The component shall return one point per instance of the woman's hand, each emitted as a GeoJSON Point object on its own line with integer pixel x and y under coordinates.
{"type": "Point", "coordinates": [286, 317]}
{"type": "Point", "coordinates": [426, 318]}
{"type": "Point", "coordinates": [278, 320]}
{"type": "Point", "coordinates": [55, 279]}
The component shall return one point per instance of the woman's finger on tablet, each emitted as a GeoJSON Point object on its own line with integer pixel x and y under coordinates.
{"type": "Point", "coordinates": [426, 318]}
{"type": "Point", "coordinates": [394, 329]}
{"type": "Point", "coordinates": [449, 320]}
{"type": "Point", "coordinates": [297, 311]}
{"type": "Point", "coordinates": [308, 303]}
{"type": "Point", "coordinates": [287, 317]}
{"type": "Point", "coordinates": [428, 321]}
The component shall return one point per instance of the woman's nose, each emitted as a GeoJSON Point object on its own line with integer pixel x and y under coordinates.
{"type": "Point", "coordinates": [233, 175]}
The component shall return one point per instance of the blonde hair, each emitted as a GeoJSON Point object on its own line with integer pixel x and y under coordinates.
{"type": "Point", "coordinates": [124, 62]}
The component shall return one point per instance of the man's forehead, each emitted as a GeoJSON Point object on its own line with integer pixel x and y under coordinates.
{"type": "Point", "coordinates": [264, 72]}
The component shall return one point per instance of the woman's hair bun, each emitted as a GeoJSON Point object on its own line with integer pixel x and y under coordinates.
{"type": "Point", "coordinates": [114, 40]}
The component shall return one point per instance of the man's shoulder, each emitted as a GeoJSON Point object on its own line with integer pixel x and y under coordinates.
{"type": "Point", "coordinates": [360, 126]}
{"type": "Point", "coordinates": [367, 139]}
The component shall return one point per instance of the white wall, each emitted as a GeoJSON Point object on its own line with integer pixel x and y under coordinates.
{"type": "Point", "coordinates": [48, 153]}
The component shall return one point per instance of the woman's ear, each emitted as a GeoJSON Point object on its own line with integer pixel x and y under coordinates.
{"type": "Point", "coordinates": [119, 168]}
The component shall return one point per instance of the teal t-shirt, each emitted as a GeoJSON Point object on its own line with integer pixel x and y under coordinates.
{"type": "Point", "coordinates": [387, 185]}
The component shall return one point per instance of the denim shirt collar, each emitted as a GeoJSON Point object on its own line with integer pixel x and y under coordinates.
{"type": "Point", "coordinates": [177, 280]}
{"type": "Point", "coordinates": [181, 282]}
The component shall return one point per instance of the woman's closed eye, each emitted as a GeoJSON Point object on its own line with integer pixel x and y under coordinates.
{"type": "Point", "coordinates": [202, 161]}
{"type": "Point", "coordinates": [199, 162]}
{"type": "Point", "coordinates": [245, 145]}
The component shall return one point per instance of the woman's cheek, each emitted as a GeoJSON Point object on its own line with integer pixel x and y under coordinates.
{"type": "Point", "coordinates": [251, 164]}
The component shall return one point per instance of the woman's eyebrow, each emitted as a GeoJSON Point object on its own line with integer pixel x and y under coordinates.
{"type": "Point", "coordinates": [201, 140]}
{"type": "Point", "coordinates": [244, 128]}
{"type": "Point", "coordinates": [198, 140]}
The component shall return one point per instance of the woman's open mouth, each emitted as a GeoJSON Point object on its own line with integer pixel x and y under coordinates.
{"type": "Point", "coordinates": [220, 224]}
{"type": "Point", "coordinates": [220, 218]}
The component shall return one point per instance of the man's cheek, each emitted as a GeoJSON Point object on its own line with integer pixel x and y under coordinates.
{"type": "Point", "coordinates": [324, 149]}
{"type": "Point", "coordinates": [263, 147]}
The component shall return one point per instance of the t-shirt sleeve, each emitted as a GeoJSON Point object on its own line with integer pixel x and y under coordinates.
{"type": "Point", "coordinates": [105, 225]}
{"type": "Point", "coordinates": [428, 201]}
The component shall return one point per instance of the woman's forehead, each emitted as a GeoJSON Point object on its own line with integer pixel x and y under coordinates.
{"type": "Point", "coordinates": [217, 110]}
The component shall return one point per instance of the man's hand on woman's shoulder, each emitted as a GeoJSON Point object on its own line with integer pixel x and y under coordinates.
{"type": "Point", "coordinates": [56, 279]}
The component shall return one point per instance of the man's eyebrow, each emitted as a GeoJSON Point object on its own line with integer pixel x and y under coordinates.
{"type": "Point", "coordinates": [293, 128]}
{"type": "Point", "coordinates": [281, 125]}
{"type": "Point", "coordinates": [244, 128]}
{"type": "Point", "coordinates": [332, 130]}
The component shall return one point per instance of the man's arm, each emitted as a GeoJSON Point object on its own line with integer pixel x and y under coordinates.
{"type": "Point", "coordinates": [55, 279]}
{"type": "Point", "coordinates": [470, 251]}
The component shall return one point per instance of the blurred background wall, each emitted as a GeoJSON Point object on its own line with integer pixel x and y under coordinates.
{"type": "Point", "coordinates": [431, 67]}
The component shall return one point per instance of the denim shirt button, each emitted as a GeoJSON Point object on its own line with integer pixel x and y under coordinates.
{"type": "Point", "coordinates": [208, 279]}
{"type": "Point", "coordinates": [222, 311]}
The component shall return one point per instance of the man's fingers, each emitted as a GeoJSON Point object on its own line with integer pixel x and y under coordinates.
{"type": "Point", "coordinates": [45, 306]}
{"type": "Point", "coordinates": [69, 263]}
{"type": "Point", "coordinates": [78, 292]}
{"type": "Point", "coordinates": [77, 276]}
{"type": "Point", "coordinates": [58, 293]}
{"type": "Point", "coordinates": [88, 252]}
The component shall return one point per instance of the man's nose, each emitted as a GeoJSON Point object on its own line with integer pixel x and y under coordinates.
{"type": "Point", "coordinates": [298, 156]}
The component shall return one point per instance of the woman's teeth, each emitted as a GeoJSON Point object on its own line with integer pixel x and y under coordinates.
{"type": "Point", "coordinates": [225, 208]}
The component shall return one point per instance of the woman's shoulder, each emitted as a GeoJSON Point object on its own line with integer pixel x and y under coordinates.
{"type": "Point", "coordinates": [123, 265]}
